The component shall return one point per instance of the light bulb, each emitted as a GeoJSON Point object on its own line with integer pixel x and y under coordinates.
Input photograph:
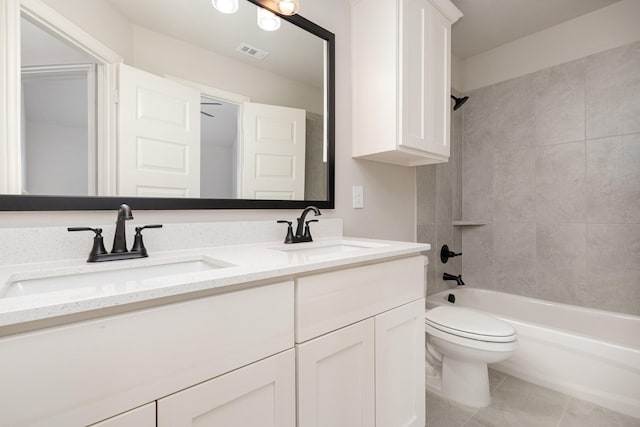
{"type": "Point", "coordinates": [267, 20]}
{"type": "Point", "coordinates": [288, 7]}
{"type": "Point", "coordinates": [226, 6]}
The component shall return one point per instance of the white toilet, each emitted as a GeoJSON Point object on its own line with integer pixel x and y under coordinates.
{"type": "Point", "coordinates": [464, 341]}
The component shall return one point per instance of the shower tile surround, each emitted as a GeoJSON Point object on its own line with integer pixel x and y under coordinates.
{"type": "Point", "coordinates": [439, 189]}
{"type": "Point", "coordinates": [550, 161]}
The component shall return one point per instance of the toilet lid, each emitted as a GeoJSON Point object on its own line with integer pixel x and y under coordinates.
{"type": "Point", "coordinates": [469, 323]}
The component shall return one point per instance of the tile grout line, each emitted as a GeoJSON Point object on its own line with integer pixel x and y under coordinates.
{"type": "Point", "coordinates": [470, 418]}
{"type": "Point", "coordinates": [564, 411]}
{"type": "Point", "coordinates": [478, 409]}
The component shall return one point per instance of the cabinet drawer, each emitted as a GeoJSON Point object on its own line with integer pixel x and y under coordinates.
{"type": "Point", "coordinates": [328, 301]}
{"type": "Point", "coordinates": [110, 365]}
{"type": "Point", "coordinates": [261, 394]}
{"type": "Point", "coordinates": [144, 416]}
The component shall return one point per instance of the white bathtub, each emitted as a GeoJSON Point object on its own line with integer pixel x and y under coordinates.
{"type": "Point", "coordinates": [590, 354]}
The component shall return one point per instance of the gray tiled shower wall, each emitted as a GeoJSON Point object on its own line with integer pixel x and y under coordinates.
{"type": "Point", "coordinates": [439, 203]}
{"type": "Point", "coordinates": [551, 162]}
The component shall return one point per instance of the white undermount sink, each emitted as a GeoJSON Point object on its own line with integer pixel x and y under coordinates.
{"type": "Point", "coordinates": [106, 281]}
{"type": "Point", "coordinates": [317, 251]}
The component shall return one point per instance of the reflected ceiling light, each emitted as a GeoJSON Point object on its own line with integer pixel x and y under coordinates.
{"type": "Point", "coordinates": [226, 6]}
{"type": "Point", "coordinates": [267, 20]}
{"type": "Point", "coordinates": [288, 7]}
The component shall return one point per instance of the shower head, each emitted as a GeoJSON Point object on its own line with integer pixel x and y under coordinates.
{"type": "Point", "coordinates": [459, 101]}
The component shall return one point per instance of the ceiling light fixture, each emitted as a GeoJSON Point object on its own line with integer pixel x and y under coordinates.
{"type": "Point", "coordinates": [288, 7]}
{"type": "Point", "coordinates": [225, 6]}
{"type": "Point", "coordinates": [267, 20]}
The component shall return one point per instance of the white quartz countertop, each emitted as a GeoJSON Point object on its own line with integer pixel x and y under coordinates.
{"type": "Point", "coordinates": [238, 264]}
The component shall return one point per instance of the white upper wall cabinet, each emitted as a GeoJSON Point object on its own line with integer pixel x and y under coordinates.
{"type": "Point", "coordinates": [401, 70]}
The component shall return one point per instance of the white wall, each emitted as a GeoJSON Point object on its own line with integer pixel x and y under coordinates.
{"type": "Point", "coordinates": [100, 19]}
{"type": "Point", "coordinates": [48, 147]}
{"type": "Point", "coordinates": [604, 29]}
{"type": "Point", "coordinates": [389, 191]}
{"type": "Point", "coordinates": [39, 47]}
{"type": "Point", "coordinates": [190, 62]}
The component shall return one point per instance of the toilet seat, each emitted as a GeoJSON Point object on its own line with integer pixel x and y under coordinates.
{"type": "Point", "coordinates": [470, 324]}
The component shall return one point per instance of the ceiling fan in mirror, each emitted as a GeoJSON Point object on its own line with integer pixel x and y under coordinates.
{"type": "Point", "coordinates": [204, 113]}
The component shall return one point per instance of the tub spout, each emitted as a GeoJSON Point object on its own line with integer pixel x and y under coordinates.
{"type": "Point", "coordinates": [457, 279]}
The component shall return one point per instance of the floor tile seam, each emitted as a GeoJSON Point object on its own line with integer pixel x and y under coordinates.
{"type": "Point", "coordinates": [466, 423]}
{"type": "Point", "coordinates": [564, 411]}
{"type": "Point", "coordinates": [500, 383]}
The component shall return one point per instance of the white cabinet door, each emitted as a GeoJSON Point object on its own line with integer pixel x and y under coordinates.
{"type": "Point", "coordinates": [401, 71]}
{"type": "Point", "coordinates": [439, 85]}
{"type": "Point", "coordinates": [400, 388]}
{"type": "Point", "coordinates": [158, 136]}
{"type": "Point", "coordinates": [144, 416]}
{"type": "Point", "coordinates": [336, 378]}
{"type": "Point", "coordinates": [273, 152]}
{"type": "Point", "coordinates": [261, 394]}
{"type": "Point", "coordinates": [426, 78]}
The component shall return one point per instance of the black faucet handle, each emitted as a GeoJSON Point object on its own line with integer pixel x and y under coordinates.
{"type": "Point", "coordinates": [98, 231]}
{"type": "Point", "coordinates": [98, 242]}
{"type": "Point", "coordinates": [139, 229]}
{"type": "Point", "coordinates": [138, 244]}
{"type": "Point", "coordinates": [445, 254]}
{"type": "Point", "coordinates": [307, 231]}
{"type": "Point", "coordinates": [289, 238]}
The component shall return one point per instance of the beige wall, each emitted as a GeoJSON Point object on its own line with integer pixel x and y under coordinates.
{"type": "Point", "coordinates": [607, 28]}
{"type": "Point", "coordinates": [100, 19]}
{"type": "Point", "coordinates": [199, 65]}
{"type": "Point", "coordinates": [389, 190]}
{"type": "Point", "coordinates": [139, 46]}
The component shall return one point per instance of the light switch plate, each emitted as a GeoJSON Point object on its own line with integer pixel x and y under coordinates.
{"type": "Point", "coordinates": [358, 197]}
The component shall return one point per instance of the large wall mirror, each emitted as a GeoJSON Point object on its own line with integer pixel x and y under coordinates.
{"type": "Point", "coordinates": [168, 104]}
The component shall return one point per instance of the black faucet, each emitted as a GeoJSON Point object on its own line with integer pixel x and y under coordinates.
{"type": "Point", "coordinates": [99, 253]}
{"type": "Point", "coordinates": [457, 279]}
{"type": "Point", "coordinates": [303, 233]}
{"type": "Point", "coordinates": [120, 239]}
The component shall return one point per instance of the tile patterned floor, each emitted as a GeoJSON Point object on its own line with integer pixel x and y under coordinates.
{"type": "Point", "coordinates": [517, 403]}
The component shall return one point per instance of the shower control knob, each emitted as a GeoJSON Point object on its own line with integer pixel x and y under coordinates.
{"type": "Point", "coordinates": [445, 254]}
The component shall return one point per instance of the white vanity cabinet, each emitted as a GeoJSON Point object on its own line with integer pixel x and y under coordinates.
{"type": "Point", "coordinates": [401, 72]}
{"type": "Point", "coordinates": [339, 346]}
{"type": "Point", "coordinates": [144, 416]}
{"type": "Point", "coordinates": [336, 378]}
{"type": "Point", "coordinates": [110, 365]}
{"type": "Point", "coordinates": [369, 369]}
{"type": "Point", "coordinates": [261, 394]}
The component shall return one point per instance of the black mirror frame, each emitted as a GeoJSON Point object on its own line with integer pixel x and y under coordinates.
{"type": "Point", "coordinates": [75, 203]}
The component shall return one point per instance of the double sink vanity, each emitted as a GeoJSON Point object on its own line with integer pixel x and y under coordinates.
{"type": "Point", "coordinates": [249, 332]}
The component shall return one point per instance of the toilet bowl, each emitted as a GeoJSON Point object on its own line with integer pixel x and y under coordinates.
{"type": "Point", "coordinates": [464, 341]}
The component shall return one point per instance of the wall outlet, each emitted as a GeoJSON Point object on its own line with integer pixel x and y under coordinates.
{"type": "Point", "coordinates": [358, 197]}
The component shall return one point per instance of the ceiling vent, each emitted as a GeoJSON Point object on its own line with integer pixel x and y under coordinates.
{"type": "Point", "coordinates": [253, 52]}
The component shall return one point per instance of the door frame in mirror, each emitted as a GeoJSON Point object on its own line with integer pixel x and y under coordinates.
{"type": "Point", "coordinates": [14, 202]}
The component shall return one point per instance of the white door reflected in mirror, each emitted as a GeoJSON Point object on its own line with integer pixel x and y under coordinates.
{"type": "Point", "coordinates": [133, 155]}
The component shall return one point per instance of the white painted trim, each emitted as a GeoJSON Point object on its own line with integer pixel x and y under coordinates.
{"type": "Point", "coordinates": [604, 29]}
{"type": "Point", "coordinates": [58, 70]}
{"type": "Point", "coordinates": [48, 18]}
{"type": "Point", "coordinates": [448, 9]}
{"type": "Point", "coordinates": [10, 98]}
{"type": "Point", "coordinates": [235, 98]}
